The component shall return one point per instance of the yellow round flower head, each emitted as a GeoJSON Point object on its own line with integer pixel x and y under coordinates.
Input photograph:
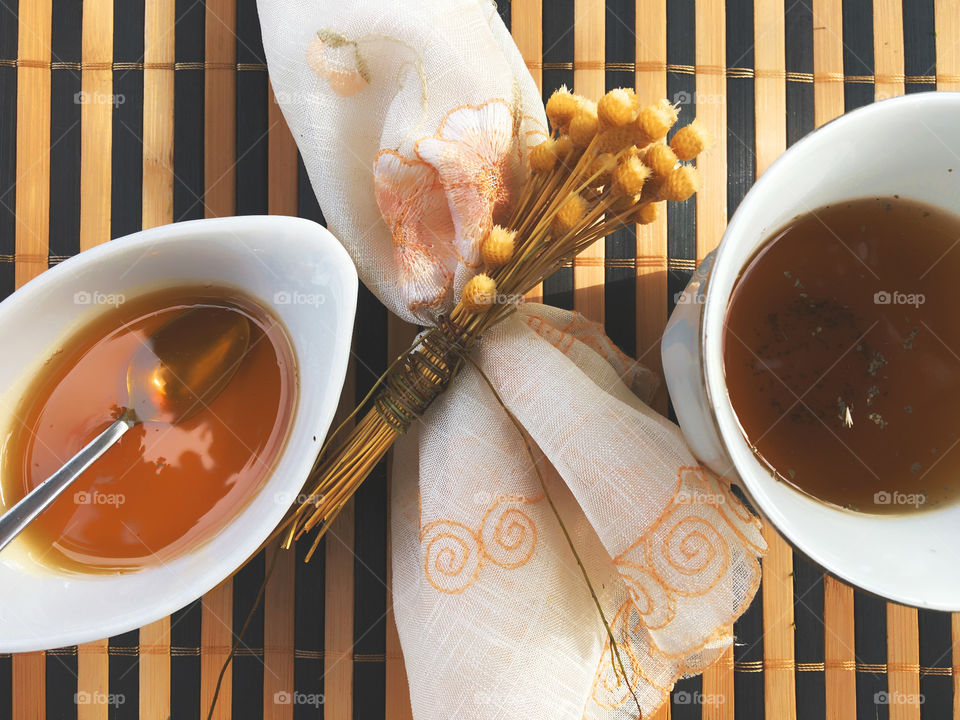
{"type": "Point", "coordinates": [680, 184]}
{"type": "Point", "coordinates": [660, 158]}
{"type": "Point", "coordinates": [564, 146]}
{"type": "Point", "coordinates": [602, 166]}
{"type": "Point", "coordinates": [584, 125]}
{"type": "Point", "coordinates": [647, 213]}
{"type": "Point", "coordinates": [616, 108]}
{"type": "Point", "coordinates": [562, 106]}
{"type": "Point", "coordinates": [654, 121]}
{"type": "Point", "coordinates": [630, 175]}
{"type": "Point", "coordinates": [614, 140]}
{"type": "Point", "coordinates": [497, 247]}
{"type": "Point", "coordinates": [569, 214]}
{"type": "Point", "coordinates": [690, 141]}
{"type": "Point", "coordinates": [543, 156]}
{"type": "Point", "coordinates": [479, 293]}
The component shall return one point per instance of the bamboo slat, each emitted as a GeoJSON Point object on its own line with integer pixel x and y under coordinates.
{"type": "Point", "coordinates": [711, 111]}
{"type": "Point", "coordinates": [28, 684]}
{"type": "Point", "coordinates": [220, 92]}
{"type": "Point", "coordinates": [888, 48]}
{"type": "Point", "coordinates": [955, 633]}
{"type": "Point", "coordinates": [278, 639]}
{"type": "Point", "coordinates": [281, 164]}
{"type": "Point", "coordinates": [216, 638]}
{"type": "Point", "coordinates": [33, 142]}
{"type": "Point", "coordinates": [718, 691]}
{"type": "Point", "coordinates": [827, 61]}
{"type": "Point", "coordinates": [159, 47]}
{"type": "Point", "coordinates": [948, 44]}
{"type": "Point", "coordinates": [154, 670]}
{"type": "Point", "coordinates": [838, 649]}
{"type": "Point", "coordinates": [651, 85]}
{"type": "Point", "coordinates": [590, 81]}
{"type": "Point", "coordinates": [903, 662]}
{"type": "Point", "coordinates": [338, 624]}
{"type": "Point", "coordinates": [96, 123]}
{"type": "Point", "coordinates": [93, 680]}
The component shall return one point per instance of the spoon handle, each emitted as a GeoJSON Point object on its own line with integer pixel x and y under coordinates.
{"type": "Point", "coordinates": [37, 500]}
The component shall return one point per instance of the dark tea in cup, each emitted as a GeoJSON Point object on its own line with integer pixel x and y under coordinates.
{"type": "Point", "coordinates": [842, 354]}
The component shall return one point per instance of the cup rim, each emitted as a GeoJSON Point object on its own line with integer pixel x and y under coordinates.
{"type": "Point", "coordinates": [711, 374]}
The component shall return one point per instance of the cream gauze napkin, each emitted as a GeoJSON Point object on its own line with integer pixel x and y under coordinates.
{"type": "Point", "coordinates": [413, 119]}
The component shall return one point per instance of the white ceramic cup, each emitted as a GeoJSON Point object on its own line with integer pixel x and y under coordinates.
{"type": "Point", "coordinates": [907, 146]}
{"type": "Point", "coordinates": [293, 267]}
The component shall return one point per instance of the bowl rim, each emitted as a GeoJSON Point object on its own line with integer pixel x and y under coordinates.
{"type": "Point", "coordinates": [316, 239]}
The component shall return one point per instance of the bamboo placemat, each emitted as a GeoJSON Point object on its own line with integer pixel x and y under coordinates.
{"type": "Point", "coordinates": [117, 115]}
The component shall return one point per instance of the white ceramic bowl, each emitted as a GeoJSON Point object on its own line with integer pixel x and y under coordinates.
{"type": "Point", "coordinates": [292, 266]}
{"type": "Point", "coordinates": [908, 146]}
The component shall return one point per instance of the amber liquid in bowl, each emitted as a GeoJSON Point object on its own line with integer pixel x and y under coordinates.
{"type": "Point", "coordinates": [842, 355]}
{"type": "Point", "coordinates": [162, 489]}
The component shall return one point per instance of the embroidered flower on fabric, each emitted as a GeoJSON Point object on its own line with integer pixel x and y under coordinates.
{"type": "Point", "coordinates": [471, 151]}
{"type": "Point", "coordinates": [338, 61]}
{"type": "Point", "coordinates": [414, 207]}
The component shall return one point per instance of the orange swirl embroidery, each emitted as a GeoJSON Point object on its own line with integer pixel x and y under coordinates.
{"type": "Point", "coordinates": [508, 538]}
{"type": "Point", "coordinates": [454, 554]}
{"type": "Point", "coordinates": [687, 553]}
{"type": "Point", "coordinates": [655, 606]}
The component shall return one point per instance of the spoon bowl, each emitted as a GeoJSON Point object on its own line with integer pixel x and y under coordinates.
{"type": "Point", "coordinates": [186, 363]}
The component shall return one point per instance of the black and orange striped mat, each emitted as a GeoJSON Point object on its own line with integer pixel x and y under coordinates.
{"type": "Point", "coordinates": [117, 115]}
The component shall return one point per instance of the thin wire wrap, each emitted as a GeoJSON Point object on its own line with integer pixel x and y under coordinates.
{"type": "Point", "coordinates": [423, 375]}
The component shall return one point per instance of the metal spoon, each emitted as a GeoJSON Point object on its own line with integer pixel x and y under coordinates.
{"type": "Point", "coordinates": [180, 368]}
